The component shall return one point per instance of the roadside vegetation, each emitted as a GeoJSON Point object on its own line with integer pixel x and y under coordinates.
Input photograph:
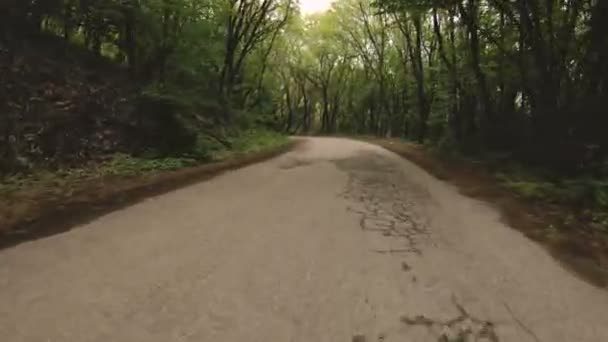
{"type": "Point", "coordinates": [42, 202]}
{"type": "Point", "coordinates": [125, 165]}
{"type": "Point", "coordinates": [104, 99]}
{"type": "Point", "coordinates": [140, 84]}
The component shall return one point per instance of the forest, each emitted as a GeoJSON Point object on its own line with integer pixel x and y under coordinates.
{"type": "Point", "coordinates": [526, 78]}
{"type": "Point", "coordinates": [499, 107]}
{"type": "Point", "coordinates": [106, 102]}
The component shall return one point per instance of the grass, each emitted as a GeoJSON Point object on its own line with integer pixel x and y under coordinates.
{"type": "Point", "coordinates": [247, 141]}
{"type": "Point", "coordinates": [53, 202]}
{"type": "Point", "coordinates": [126, 165]}
{"type": "Point", "coordinates": [120, 164]}
{"type": "Point", "coordinates": [586, 195]}
{"type": "Point", "coordinates": [63, 183]}
{"type": "Point", "coordinates": [65, 179]}
{"type": "Point", "coordinates": [255, 140]}
{"type": "Point", "coordinates": [44, 202]}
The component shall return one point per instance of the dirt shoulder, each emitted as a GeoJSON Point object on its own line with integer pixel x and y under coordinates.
{"type": "Point", "coordinates": [567, 234]}
{"type": "Point", "coordinates": [37, 212]}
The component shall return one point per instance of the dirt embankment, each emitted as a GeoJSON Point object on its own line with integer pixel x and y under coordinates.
{"type": "Point", "coordinates": [67, 114]}
{"type": "Point", "coordinates": [35, 213]}
{"type": "Point", "coordinates": [61, 106]}
{"type": "Point", "coordinates": [573, 242]}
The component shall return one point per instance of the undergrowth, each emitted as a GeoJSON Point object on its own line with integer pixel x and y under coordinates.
{"type": "Point", "coordinates": [256, 140]}
{"type": "Point", "coordinates": [149, 163]}
{"type": "Point", "coordinates": [587, 194]}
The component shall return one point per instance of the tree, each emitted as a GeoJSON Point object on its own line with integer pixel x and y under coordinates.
{"type": "Point", "coordinates": [523, 76]}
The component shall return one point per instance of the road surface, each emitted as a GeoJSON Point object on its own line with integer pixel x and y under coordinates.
{"type": "Point", "coordinates": [335, 241]}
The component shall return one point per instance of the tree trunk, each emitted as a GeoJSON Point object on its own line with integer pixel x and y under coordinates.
{"type": "Point", "coordinates": [470, 17]}
{"type": "Point", "coordinates": [418, 68]}
{"type": "Point", "coordinates": [288, 103]}
{"type": "Point", "coordinates": [130, 40]}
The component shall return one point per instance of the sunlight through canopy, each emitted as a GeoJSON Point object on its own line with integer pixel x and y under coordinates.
{"type": "Point", "coordinates": [314, 6]}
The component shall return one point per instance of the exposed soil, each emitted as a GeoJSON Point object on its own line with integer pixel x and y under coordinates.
{"type": "Point", "coordinates": [63, 106]}
{"type": "Point", "coordinates": [579, 247]}
{"type": "Point", "coordinates": [31, 215]}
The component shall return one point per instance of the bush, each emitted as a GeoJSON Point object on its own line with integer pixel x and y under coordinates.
{"type": "Point", "coordinates": [586, 192]}
{"type": "Point", "coordinates": [206, 149]}
{"type": "Point", "coordinates": [162, 126]}
{"type": "Point", "coordinates": [447, 146]}
{"type": "Point", "coordinates": [535, 190]}
{"type": "Point", "coordinates": [256, 139]}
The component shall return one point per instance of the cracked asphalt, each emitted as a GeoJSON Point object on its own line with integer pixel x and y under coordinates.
{"type": "Point", "coordinates": [337, 240]}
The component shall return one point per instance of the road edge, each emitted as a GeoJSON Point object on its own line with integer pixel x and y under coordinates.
{"type": "Point", "coordinates": [569, 249]}
{"type": "Point", "coordinates": [62, 217]}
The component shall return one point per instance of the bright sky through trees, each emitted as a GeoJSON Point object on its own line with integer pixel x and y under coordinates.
{"type": "Point", "coordinates": [314, 6]}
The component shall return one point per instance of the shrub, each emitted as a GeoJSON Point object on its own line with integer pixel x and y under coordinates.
{"type": "Point", "coordinates": [162, 126]}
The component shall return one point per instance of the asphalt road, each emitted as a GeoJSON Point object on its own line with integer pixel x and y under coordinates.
{"type": "Point", "coordinates": [335, 241]}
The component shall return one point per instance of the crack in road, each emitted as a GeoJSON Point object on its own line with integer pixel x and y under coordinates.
{"type": "Point", "coordinates": [523, 327]}
{"type": "Point", "coordinates": [462, 328]}
{"type": "Point", "coordinates": [385, 201]}
{"type": "Point", "coordinates": [270, 253]}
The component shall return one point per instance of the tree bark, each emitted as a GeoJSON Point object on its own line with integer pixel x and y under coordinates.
{"type": "Point", "coordinates": [470, 17]}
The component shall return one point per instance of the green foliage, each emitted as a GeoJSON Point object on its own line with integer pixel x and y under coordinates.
{"type": "Point", "coordinates": [206, 149]}
{"type": "Point", "coordinates": [255, 140]}
{"type": "Point", "coordinates": [446, 146]}
{"type": "Point", "coordinates": [467, 76]}
{"type": "Point", "coordinates": [462, 74]}
{"type": "Point", "coordinates": [588, 195]}
{"type": "Point", "coordinates": [586, 191]}
{"type": "Point", "coordinates": [581, 192]}
{"type": "Point", "coordinates": [163, 126]}
{"type": "Point", "coordinates": [125, 165]}
{"type": "Point", "coordinates": [535, 190]}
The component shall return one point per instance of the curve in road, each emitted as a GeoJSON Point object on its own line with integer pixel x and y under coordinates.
{"type": "Point", "coordinates": [336, 241]}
